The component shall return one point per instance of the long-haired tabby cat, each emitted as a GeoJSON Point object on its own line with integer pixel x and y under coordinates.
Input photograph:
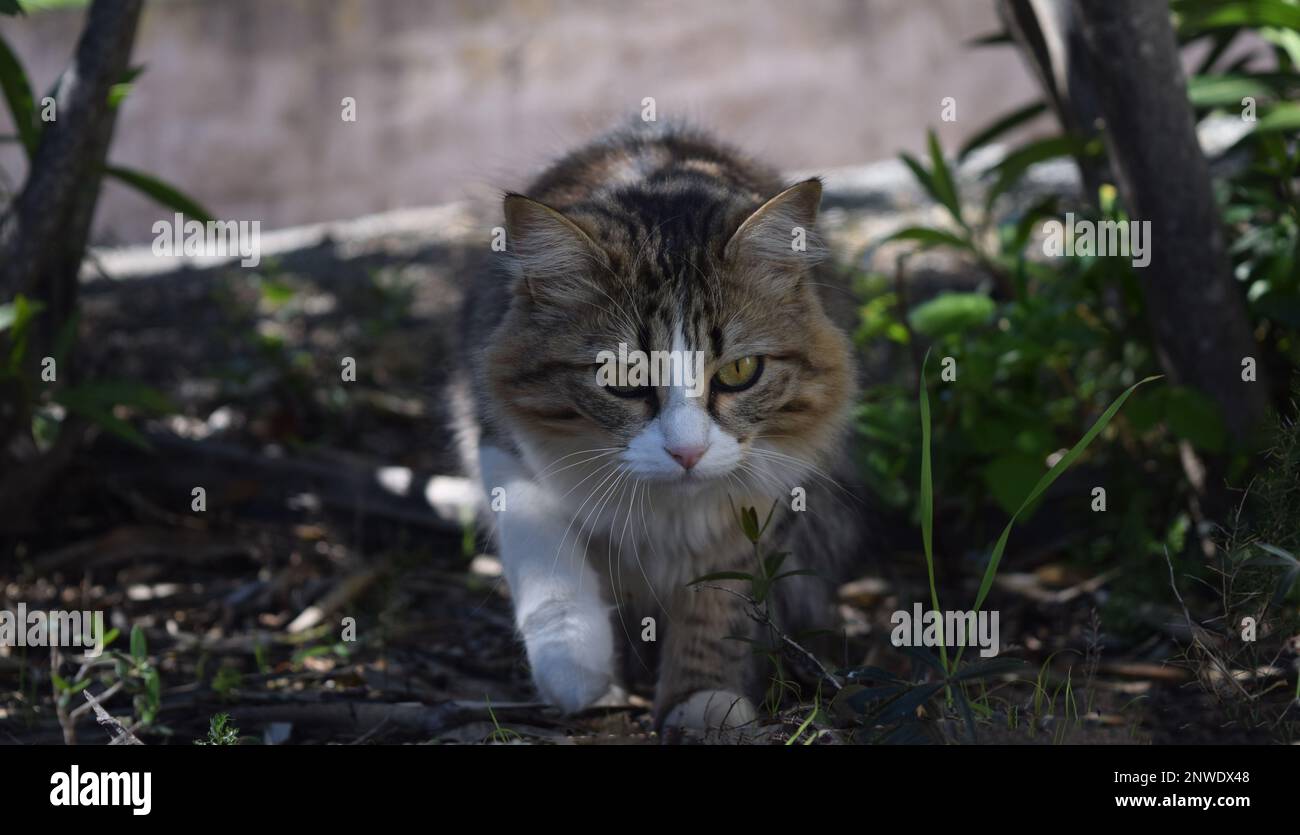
{"type": "Point", "coordinates": [609, 500]}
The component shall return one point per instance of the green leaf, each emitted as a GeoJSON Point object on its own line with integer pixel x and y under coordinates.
{"type": "Point", "coordinates": [922, 176]}
{"type": "Point", "coordinates": [160, 192]}
{"type": "Point", "coordinates": [929, 237]}
{"type": "Point", "coordinates": [1015, 164]}
{"type": "Point", "coordinates": [17, 313]}
{"type": "Point", "coordinates": [749, 523]}
{"type": "Point", "coordinates": [722, 575]}
{"type": "Point", "coordinates": [15, 317]}
{"type": "Point", "coordinates": [139, 644]}
{"type": "Point", "coordinates": [11, 7]}
{"type": "Point", "coordinates": [1206, 91]}
{"type": "Point", "coordinates": [1202, 17]}
{"type": "Point", "coordinates": [119, 91]}
{"type": "Point", "coordinates": [1009, 122]}
{"type": "Point", "coordinates": [1284, 116]}
{"type": "Point", "coordinates": [945, 186]}
{"type": "Point", "coordinates": [987, 669]}
{"type": "Point", "coordinates": [18, 93]}
{"type": "Point", "coordinates": [952, 313]}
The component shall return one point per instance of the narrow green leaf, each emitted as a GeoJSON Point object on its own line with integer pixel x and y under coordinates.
{"type": "Point", "coordinates": [18, 94]}
{"type": "Point", "coordinates": [992, 667]}
{"type": "Point", "coordinates": [160, 192]}
{"type": "Point", "coordinates": [139, 644]}
{"type": "Point", "coordinates": [928, 237]}
{"type": "Point", "coordinates": [119, 91]}
{"type": "Point", "coordinates": [1015, 164]}
{"type": "Point", "coordinates": [999, 38]}
{"type": "Point", "coordinates": [921, 174]}
{"type": "Point", "coordinates": [1206, 91]}
{"type": "Point", "coordinates": [1202, 17]}
{"type": "Point", "coordinates": [1007, 123]}
{"type": "Point", "coordinates": [721, 575]}
{"type": "Point", "coordinates": [1282, 117]}
{"type": "Point", "coordinates": [927, 502]}
{"type": "Point", "coordinates": [944, 184]}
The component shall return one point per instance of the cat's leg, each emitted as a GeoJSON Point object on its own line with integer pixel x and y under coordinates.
{"type": "Point", "coordinates": [707, 669]}
{"type": "Point", "coordinates": [559, 610]}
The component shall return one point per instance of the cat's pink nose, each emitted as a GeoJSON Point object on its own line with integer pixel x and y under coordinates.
{"type": "Point", "coordinates": [687, 456]}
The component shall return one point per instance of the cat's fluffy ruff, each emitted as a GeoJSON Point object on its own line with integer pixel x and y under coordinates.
{"type": "Point", "coordinates": [660, 239]}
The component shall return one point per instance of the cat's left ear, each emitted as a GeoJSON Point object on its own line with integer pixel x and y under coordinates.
{"type": "Point", "coordinates": [782, 231]}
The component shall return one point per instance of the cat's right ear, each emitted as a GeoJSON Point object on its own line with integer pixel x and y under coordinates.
{"type": "Point", "coordinates": [555, 259]}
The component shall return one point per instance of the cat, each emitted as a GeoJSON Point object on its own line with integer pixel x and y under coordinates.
{"type": "Point", "coordinates": [608, 500]}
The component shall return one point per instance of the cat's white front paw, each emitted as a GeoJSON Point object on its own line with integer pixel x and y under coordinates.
{"type": "Point", "coordinates": [571, 651]}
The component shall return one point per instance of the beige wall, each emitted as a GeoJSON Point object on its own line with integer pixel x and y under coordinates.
{"type": "Point", "coordinates": [240, 103]}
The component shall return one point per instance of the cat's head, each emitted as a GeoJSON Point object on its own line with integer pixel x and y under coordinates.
{"type": "Point", "coordinates": [712, 295]}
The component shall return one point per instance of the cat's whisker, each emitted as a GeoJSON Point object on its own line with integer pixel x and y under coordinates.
{"type": "Point", "coordinates": [597, 509]}
{"type": "Point", "coordinates": [579, 463]}
{"type": "Point", "coordinates": [784, 488]}
{"type": "Point", "coordinates": [805, 464]}
{"type": "Point", "coordinates": [546, 470]}
{"type": "Point", "coordinates": [760, 475]}
{"type": "Point", "coordinates": [802, 469]}
{"type": "Point", "coordinates": [574, 518]}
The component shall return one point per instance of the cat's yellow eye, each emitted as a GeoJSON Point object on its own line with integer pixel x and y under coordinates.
{"type": "Point", "coordinates": [739, 374]}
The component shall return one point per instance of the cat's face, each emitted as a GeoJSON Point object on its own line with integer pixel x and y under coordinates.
{"type": "Point", "coordinates": [688, 353]}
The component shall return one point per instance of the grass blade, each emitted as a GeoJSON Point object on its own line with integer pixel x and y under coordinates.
{"type": "Point", "coordinates": [927, 504]}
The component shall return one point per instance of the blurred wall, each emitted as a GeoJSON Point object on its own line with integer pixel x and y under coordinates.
{"type": "Point", "coordinates": [457, 99]}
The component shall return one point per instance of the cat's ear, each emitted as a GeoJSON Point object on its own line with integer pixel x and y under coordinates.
{"type": "Point", "coordinates": [554, 257]}
{"type": "Point", "coordinates": [782, 232]}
